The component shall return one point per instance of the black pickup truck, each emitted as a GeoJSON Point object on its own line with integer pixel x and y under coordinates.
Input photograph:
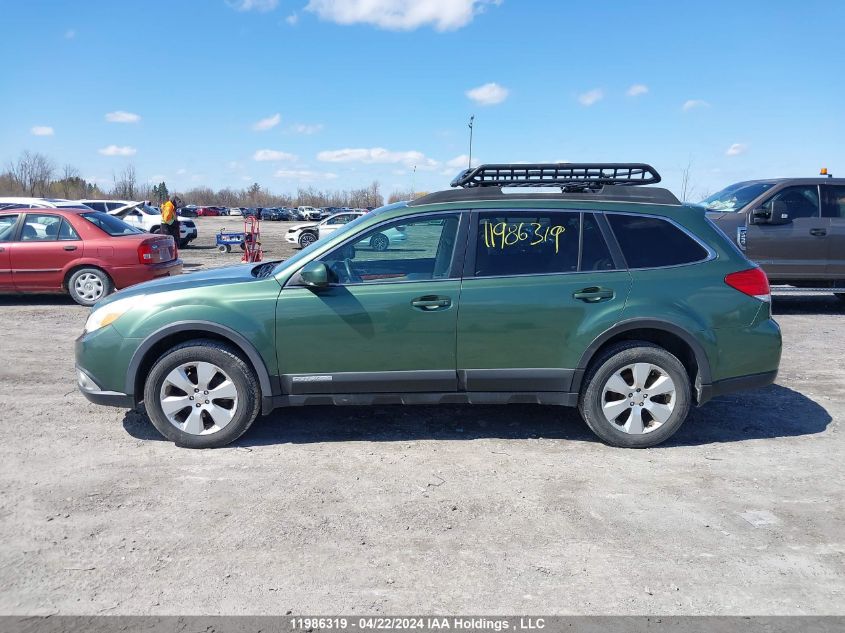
{"type": "Point", "coordinates": [793, 227]}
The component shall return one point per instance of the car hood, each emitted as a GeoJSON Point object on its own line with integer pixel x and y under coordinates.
{"type": "Point", "coordinates": [305, 225]}
{"type": "Point", "coordinates": [226, 276]}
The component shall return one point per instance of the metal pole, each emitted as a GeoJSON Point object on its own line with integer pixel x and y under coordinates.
{"type": "Point", "coordinates": [414, 182]}
{"type": "Point", "coordinates": [471, 120]}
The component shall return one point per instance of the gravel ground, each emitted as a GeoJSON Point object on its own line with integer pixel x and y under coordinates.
{"type": "Point", "coordinates": [416, 510]}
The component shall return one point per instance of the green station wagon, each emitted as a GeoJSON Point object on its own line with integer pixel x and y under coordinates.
{"type": "Point", "coordinates": [610, 297]}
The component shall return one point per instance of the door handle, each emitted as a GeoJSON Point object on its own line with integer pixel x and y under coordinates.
{"type": "Point", "coordinates": [594, 294]}
{"type": "Point", "coordinates": [430, 303]}
{"type": "Point", "coordinates": [818, 232]}
{"type": "Point", "coordinates": [69, 248]}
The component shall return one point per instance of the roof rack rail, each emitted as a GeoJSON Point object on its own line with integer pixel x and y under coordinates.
{"type": "Point", "coordinates": [568, 176]}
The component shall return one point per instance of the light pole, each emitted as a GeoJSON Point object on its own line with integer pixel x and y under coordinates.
{"type": "Point", "coordinates": [469, 162]}
{"type": "Point", "coordinates": [413, 182]}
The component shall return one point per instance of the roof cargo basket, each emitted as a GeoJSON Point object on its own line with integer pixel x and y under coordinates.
{"type": "Point", "coordinates": [570, 177]}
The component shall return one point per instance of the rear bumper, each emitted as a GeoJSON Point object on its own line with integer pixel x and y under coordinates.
{"type": "Point", "coordinates": [124, 276]}
{"type": "Point", "coordinates": [739, 383]}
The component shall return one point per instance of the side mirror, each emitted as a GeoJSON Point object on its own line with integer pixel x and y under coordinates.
{"type": "Point", "coordinates": [775, 212]}
{"type": "Point", "coordinates": [315, 275]}
{"type": "Point", "coordinates": [761, 215]}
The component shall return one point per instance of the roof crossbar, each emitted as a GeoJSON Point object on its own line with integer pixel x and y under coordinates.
{"type": "Point", "coordinates": [568, 176]}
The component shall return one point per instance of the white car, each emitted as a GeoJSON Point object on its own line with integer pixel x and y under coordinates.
{"type": "Point", "coordinates": [40, 203]}
{"type": "Point", "coordinates": [307, 234]}
{"type": "Point", "coordinates": [234, 211]}
{"type": "Point", "coordinates": [144, 217]}
{"type": "Point", "coordinates": [309, 213]}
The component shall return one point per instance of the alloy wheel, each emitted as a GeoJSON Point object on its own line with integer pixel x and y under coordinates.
{"type": "Point", "coordinates": [638, 398]}
{"type": "Point", "coordinates": [198, 398]}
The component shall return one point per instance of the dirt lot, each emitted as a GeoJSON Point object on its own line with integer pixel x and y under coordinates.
{"type": "Point", "coordinates": [415, 510]}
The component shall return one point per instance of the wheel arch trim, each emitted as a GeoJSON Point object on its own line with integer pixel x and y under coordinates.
{"type": "Point", "coordinates": [701, 358]}
{"type": "Point", "coordinates": [237, 339]}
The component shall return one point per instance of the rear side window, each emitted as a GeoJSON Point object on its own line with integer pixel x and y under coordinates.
{"type": "Point", "coordinates": [110, 224]}
{"type": "Point", "coordinates": [653, 243]}
{"type": "Point", "coordinates": [527, 244]}
{"type": "Point", "coordinates": [7, 227]}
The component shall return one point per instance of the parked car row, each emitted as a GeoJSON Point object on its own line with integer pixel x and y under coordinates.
{"type": "Point", "coordinates": [308, 233]}
{"type": "Point", "coordinates": [268, 213]}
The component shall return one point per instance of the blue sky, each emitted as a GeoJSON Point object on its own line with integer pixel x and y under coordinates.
{"type": "Point", "coordinates": [355, 90]}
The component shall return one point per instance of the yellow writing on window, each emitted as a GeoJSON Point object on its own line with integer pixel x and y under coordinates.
{"type": "Point", "coordinates": [503, 234]}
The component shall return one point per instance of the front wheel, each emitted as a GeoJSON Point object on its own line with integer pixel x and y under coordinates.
{"type": "Point", "coordinates": [379, 242]}
{"type": "Point", "coordinates": [202, 395]}
{"type": "Point", "coordinates": [635, 395]}
{"type": "Point", "coordinates": [88, 285]}
{"type": "Point", "coordinates": [307, 239]}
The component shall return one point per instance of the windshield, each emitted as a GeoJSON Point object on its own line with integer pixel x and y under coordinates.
{"type": "Point", "coordinates": [732, 199]}
{"type": "Point", "coordinates": [110, 224]}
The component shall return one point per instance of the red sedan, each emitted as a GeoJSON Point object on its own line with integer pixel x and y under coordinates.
{"type": "Point", "coordinates": [85, 253]}
{"type": "Point", "coordinates": [207, 211]}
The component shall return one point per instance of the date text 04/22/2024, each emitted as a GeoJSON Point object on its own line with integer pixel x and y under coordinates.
{"type": "Point", "coordinates": [418, 623]}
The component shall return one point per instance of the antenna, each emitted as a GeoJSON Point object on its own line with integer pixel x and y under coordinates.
{"type": "Point", "coordinates": [469, 162]}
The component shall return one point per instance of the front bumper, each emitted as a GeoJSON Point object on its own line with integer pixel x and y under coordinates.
{"type": "Point", "coordinates": [94, 393]}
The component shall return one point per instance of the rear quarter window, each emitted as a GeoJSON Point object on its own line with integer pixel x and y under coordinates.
{"type": "Point", "coordinates": [648, 242]}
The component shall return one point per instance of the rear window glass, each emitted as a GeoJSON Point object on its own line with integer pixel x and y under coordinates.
{"type": "Point", "coordinates": [653, 243]}
{"type": "Point", "coordinates": [110, 224]}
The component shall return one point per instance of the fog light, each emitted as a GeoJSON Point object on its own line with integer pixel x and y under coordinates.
{"type": "Point", "coordinates": [85, 382]}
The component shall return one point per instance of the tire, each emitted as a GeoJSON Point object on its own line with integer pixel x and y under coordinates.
{"type": "Point", "coordinates": [379, 242]}
{"type": "Point", "coordinates": [87, 286]}
{"type": "Point", "coordinates": [184, 243]}
{"type": "Point", "coordinates": [155, 229]}
{"type": "Point", "coordinates": [306, 239]}
{"type": "Point", "coordinates": [213, 427]}
{"type": "Point", "coordinates": [224, 248]}
{"type": "Point", "coordinates": [600, 392]}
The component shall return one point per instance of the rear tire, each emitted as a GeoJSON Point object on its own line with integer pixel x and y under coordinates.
{"type": "Point", "coordinates": [635, 367]}
{"type": "Point", "coordinates": [87, 286]}
{"type": "Point", "coordinates": [155, 229]}
{"type": "Point", "coordinates": [189, 375]}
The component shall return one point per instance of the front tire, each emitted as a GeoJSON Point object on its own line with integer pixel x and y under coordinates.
{"type": "Point", "coordinates": [379, 242]}
{"type": "Point", "coordinates": [88, 285]}
{"type": "Point", "coordinates": [306, 240]}
{"type": "Point", "coordinates": [635, 395]}
{"type": "Point", "coordinates": [202, 395]}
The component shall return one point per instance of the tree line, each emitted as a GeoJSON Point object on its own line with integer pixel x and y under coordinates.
{"type": "Point", "coordinates": [36, 175]}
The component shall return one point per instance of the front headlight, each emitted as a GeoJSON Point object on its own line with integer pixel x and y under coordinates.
{"type": "Point", "coordinates": [101, 317]}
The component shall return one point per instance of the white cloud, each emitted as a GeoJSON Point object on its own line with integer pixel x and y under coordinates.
{"type": "Point", "coordinates": [401, 15]}
{"type": "Point", "coordinates": [637, 90]}
{"type": "Point", "coordinates": [42, 130]}
{"type": "Point", "coordinates": [119, 116]}
{"type": "Point", "coordinates": [736, 149]}
{"type": "Point", "coordinates": [377, 155]}
{"type": "Point", "coordinates": [267, 124]}
{"type": "Point", "coordinates": [488, 94]}
{"type": "Point", "coordinates": [692, 104]}
{"type": "Point", "coordinates": [114, 150]}
{"type": "Point", "coordinates": [70, 34]}
{"type": "Point", "coordinates": [292, 19]}
{"type": "Point", "coordinates": [261, 6]}
{"type": "Point", "coordinates": [461, 162]}
{"type": "Point", "coordinates": [181, 171]}
{"type": "Point", "coordinates": [591, 97]}
{"type": "Point", "coordinates": [304, 174]}
{"type": "Point", "coordinates": [157, 178]}
{"type": "Point", "coordinates": [305, 128]}
{"type": "Point", "coordinates": [272, 155]}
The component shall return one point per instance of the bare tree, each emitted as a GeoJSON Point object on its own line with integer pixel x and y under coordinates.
{"type": "Point", "coordinates": [687, 187]}
{"type": "Point", "coordinates": [70, 182]}
{"type": "Point", "coordinates": [126, 186]}
{"type": "Point", "coordinates": [33, 173]}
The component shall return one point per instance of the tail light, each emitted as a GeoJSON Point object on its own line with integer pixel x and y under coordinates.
{"type": "Point", "coordinates": [752, 282]}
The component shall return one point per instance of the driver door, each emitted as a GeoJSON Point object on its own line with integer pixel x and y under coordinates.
{"type": "Point", "coordinates": [796, 249]}
{"type": "Point", "coordinates": [387, 322]}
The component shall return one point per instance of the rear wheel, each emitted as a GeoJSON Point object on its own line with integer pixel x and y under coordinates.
{"type": "Point", "coordinates": [155, 229]}
{"type": "Point", "coordinates": [202, 395]}
{"type": "Point", "coordinates": [635, 395]}
{"type": "Point", "coordinates": [88, 285]}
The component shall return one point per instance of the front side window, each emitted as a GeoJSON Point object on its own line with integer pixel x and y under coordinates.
{"type": "Point", "coordinates": [415, 249]}
{"type": "Point", "coordinates": [536, 242]}
{"type": "Point", "coordinates": [7, 227]}
{"type": "Point", "coordinates": [648, 242]}
{"type": "Point", "coordinates": [799, 202]}
{"type": "Point", "coordinates": [41, 228]}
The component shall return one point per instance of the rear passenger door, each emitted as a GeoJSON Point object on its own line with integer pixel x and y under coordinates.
{"type": "Point", "coordinates": [538, 287]}
{"type": "Point", "coordinates": [833, 209]}
{"type": "Point", "coordinates": [46, 245]}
